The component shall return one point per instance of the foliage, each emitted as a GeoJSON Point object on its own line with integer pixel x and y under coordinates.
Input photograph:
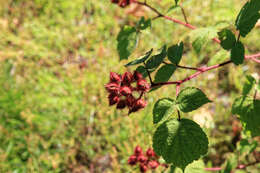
{"type": "Point", "coordinates": [55, 57]}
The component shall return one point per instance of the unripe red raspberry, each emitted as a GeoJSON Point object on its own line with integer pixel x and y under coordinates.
{"type": "Point", "coordinates": [125, 90]}
{"type": "Point", "coordinates": [112, 87]}
{"type": "Point", "coordinates": [138, 150]}
{"type": "Point", "coordinates": [142, 85]}
{"type": "Point", "coordinates": [137, 76]}
{"type": "Point", "coordinates": [127, 78]}
{"type": "Point", "coordinates": [113, 99]}
{"type": "Point", "coordinates": [114, 77]}
{"type": "Point", "coordinates": [132, 160]}
{"type": "Point", "coordinates": [143, 168]}
{"type": "Point", "coordinates": [121, 104]}
{"type": "Point", "coordinates": [142, 159]}
{"type": "Point", "coordinates": [150, 153]}
{"type": "Point", "coordinates": [153, 164]}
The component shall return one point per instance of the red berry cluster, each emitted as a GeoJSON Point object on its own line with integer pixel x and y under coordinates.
{"type": "Point", "coordinates": [121, 90]}
{"type": "Point", "coordinates": [147, 161]}
{"type": "Point", "coordinates": [122, 3]}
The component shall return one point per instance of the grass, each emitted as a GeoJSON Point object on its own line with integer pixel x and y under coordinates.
{"type": "Point", "coordinates": [55, 57]}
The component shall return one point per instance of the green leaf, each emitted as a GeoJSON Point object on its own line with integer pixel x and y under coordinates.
{"type": "Point", "coordinates": [162, 109]}
{"type": "Point", "coordinates": [143, 24]}
{"type": "Point", "coordinates": [201, 36]}
{"type": "Point", "coordinates": [180, 142]}
{"type": "Point", "coordinates": [238, 53]}
{"type": "Point", "coordinates": [219, 57]}
{"type": "Point", "coordinates": [141, 69]}
{"type": "Point", "coordinates": [176, 2]}
{"type": "Point", "coordinates": [248, 85]}
{"type": "Point", "coordinates": [190, 99]}
{"type": "Point", "coordinates": [126, 41]}
{"type": "Point", "coordinates": [156, 60]}
{"type": "Point", "coordinates": [140, 59]}
{"type": "Point", "coordinates": [164, 73]}
{"type": "Point", "coordinates": [174, 53]}
{"type": "Point", "coordinates": [249, 110]}
{"type": "Point", "coordinates": [246, 147]}
{"type": "Point", "coordinates": [197, 166]}
{"type": "Point", "coordinates": [247, 17]}
{"type": "Point", "coordinates": [227, 39]}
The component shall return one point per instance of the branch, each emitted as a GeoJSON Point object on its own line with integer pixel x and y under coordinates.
{"type": "Point", "coordinates": [202, 70]}
{"type": "Point", "coordinates": [238, 167]}
{"type": "Point", "coordinates": [159, 14]}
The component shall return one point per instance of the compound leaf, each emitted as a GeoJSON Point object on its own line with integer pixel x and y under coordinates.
{"type": "Point", "coordinates": [180, 142]}
{"type": "Point", "coordinates": [190, 99]}
{"type": "Point", "coordinates": [162, 109]}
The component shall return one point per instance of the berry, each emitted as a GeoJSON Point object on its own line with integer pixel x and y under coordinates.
{"type": "Point", "coordinates": [150, 153]}
{"type": "Point", "coordinates": [113, 99]}
{"type": "Point", "coordinates": [125, 91]}
{"type": "Point", "coordinates": [112, 87]}
{"type": "Point", "coordinates": [130, 100]}
{"type": "Point", "coordinates": [127, 78]}
{"type": "Point", "coordinates": [143, 168]}
{"type": "Point", "coordinates": [153, 164]}
{"type": "Point", "coordinates": [142, 159]}
{"type": "Point", "coordinates": [132, 160]}
{"type": "Point", "coordinates": [139, 104]}
{"type": "Point", "coordinates": [114, 77]}
{"type": "Point", "coordinates": [142, 85]}
{"type": "Point", "coordinates": [121, 104]}
{"type": "Point", "coordinates": [138, 150]}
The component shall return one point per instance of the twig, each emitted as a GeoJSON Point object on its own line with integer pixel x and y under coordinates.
{"type": "Point", "coordinates": [184, 15]}
{"type": "Point", "coordinates": [202, 70]}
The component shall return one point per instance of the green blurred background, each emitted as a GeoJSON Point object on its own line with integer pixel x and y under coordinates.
{"type": "Point", "coordinates": [55, 57]}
